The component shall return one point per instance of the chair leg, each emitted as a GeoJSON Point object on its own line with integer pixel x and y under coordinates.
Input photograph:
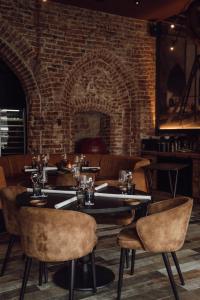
{"type": "Point", "coordinates": [7, 256]}
{"type": "Point", "coordinates": [40, 273]}
{"type": "Point", "coordinates": [121, 272]}
{"type": "Point", "coordinates": [25, 276]}
{"type": "Point", "coordinates": [92, 259]}
{"type": "Point", "coordinates": [170, 275]}
{"type": "Point", "coordinates": [127, 258]}
{"type": "Point", "coordinates": [72, 276]}
{"type": "Point", "coordinates": [133, 261]}
{"type": "Point", "coordinates": [45, 272]}
{"type": "Point", "coordinates": [178, 268]}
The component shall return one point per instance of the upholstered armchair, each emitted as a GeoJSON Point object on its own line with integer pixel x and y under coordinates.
{"type": "Point", "coordinates": [162, 231]}
{"type": "Point", "coordinates": [50, 235]}
{"type": "Point", "coordinates": [10, 213]}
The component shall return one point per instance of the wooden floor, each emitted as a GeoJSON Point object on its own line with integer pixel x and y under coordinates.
{"type": "Point", "coordinates": [150, 281]}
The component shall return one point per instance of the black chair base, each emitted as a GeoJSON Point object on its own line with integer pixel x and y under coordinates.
{"type": "Point", "coordinates": [8, 252]}
{"type": "Point", "coordinates": [43, 275]}
{"type": "Point", "coordinates": [167, 265]}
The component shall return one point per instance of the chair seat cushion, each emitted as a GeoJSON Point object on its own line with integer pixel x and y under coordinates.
{"type": "Point", "coordinates": [129, 239]}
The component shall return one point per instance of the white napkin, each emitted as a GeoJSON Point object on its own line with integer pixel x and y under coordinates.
{"type": "Point", "coordinates": [64, 203]}
{"type": "Point", "coordinates": [90, 168]}
{"type": "Point", "coordinates": [30, 170]}
{"type": "Point", "coordinates": [54, 191]}
{"type": "Point", "coordinates": [123, 196]}
{"type": "Point", "coordinates": [50, 168]}
{"type": "Point", "coordinates": [101, 186]}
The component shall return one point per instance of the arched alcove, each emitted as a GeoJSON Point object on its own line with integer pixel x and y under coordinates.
{"type": "Point", "coordinates": [100, 82]}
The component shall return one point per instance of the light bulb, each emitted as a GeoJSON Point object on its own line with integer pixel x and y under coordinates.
{"type": "Point", "coordinates": [172, 26]}
{"type": "Point", "coordinates": [171, 48]}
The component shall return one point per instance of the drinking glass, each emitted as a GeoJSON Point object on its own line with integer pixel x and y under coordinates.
{"type": "Point", "coordinates": [123, 181]}
{"type": "Point", "coordinates": [90, 192]}
{"type": "Point", "coordinates": [83, 182]}
{"type": "Point", "coordinates": [76, 174]}
{"type": "Point", "coordinates": [35, 178]}
{"type": "Point", "coordinates": [44, 178]}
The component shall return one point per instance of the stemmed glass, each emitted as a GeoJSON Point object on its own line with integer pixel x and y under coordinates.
{"type": "Point", "coordinates": [123, 181]}
{"type": "Point", "coordinates": [35, 178]}
{"type": "Point", "coordinates": [43, 180]}
{"type": "Point", "coordinates": [76, 174]}
{"type": "Point", "coordinates": [90, 191]}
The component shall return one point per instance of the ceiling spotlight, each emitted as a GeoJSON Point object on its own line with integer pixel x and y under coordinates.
{"type": "Point", "coordinates": [137, 2]}
{"type": "Point", "coordinates": [172, 26]}
{"type": "Point", "coordinates": [44, 0]}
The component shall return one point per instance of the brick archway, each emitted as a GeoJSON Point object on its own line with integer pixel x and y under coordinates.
{"type": "Point", "coordinates": [118, 107]}
{"type": "Point", "coordinates": [19, 56]}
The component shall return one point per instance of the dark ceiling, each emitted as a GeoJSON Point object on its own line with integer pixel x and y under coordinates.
{"type": "Point", "coordinates": [141, 9]}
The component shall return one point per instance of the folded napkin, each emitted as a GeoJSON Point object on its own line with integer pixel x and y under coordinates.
{"type": "Point", "coordinates": [123, 196]}
{"type": "Point", "coordinates": [90, 168]}
{"type": "Point", "coordinates": [47, 191]}
{"type": "Point", "coordinates": [50, 168]}
{"type": "Point", "coordinates": [64, 203]}
{"type": "Point", "coordinates": [101, 186]}
{"type": "Point", "coordinates": [30, 169]}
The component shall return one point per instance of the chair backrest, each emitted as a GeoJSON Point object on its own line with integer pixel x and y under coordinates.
{"type": "Point", "coordinates": [165, 230]}
{"type": "Point", "coordinates": [2, 181]}
{"type": "Point", "coordinates": [163, 205]}
{"type": "Point", "coordinates": [2, 178]}
{"type": "Point", "coordinates": [56, 235]}
{"type": "Point", "coordinates": [10, 208]}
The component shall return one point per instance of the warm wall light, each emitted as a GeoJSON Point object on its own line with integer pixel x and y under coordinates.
{"type": "Point", "coordinates": [171, 48]}
{"type": "Point", "coordinates": [172, 26]}
{"type": "Point", "coordinates": [44, 0]}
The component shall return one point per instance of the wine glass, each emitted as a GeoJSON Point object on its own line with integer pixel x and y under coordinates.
{"type": "Point", "coordinates": [123, 181]}
{"type": "Point", "coordinates": [90, 191]}
{"type": "Point", "coordinates": [35, 178]}
{"type": "Point", "coordinates": [43, 179]}
{"type": "Point", "coordinates": [76, 174]}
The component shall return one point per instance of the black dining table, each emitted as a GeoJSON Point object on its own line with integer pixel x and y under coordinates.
{"type": "Point", "coordinates": [102, 205]}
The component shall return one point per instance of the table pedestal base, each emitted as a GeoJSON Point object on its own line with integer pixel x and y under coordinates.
{"type": "Point", "coordinates": [83, 277]}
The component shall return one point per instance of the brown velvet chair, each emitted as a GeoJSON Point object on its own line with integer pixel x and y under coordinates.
{"type": "Point", "coordinates": [10, 213]}
{"type": "Point", "coordinates": [56, 236]}
{"type": "Point", "coordinates": [162, 231]}
{"type": "Point", "coordinates": [2, 181]}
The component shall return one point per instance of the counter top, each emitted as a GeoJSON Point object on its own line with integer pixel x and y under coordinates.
{"type": "Point", "coordinates": [192, 155]}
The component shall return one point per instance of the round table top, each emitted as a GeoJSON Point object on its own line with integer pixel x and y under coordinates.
{"type": "Point", "coordinates": [101, 204]}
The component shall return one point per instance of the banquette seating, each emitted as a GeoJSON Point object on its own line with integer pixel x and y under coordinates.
{"type": "Point", "coordinates": [110, 165]}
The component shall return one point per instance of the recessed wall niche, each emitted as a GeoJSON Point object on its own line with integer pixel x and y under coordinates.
{"type": "Point", "coordinates": [91, 125]}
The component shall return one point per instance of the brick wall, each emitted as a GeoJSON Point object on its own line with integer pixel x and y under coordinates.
{"type": "Point", "coordinates": [72, 60]}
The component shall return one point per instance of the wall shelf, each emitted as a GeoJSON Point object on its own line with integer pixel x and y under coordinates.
{"type": "Point", "coordinates": [12, 131]}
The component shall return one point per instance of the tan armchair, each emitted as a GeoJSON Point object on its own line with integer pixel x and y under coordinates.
{"type": "Point", "coordinates": [2, 181]}
{"type": "Point", "coordinates": [162, 231]}
{"type": "Point", "coordinates": [56, 235]}
{"type": "Point", "coordinates": [10, 213]}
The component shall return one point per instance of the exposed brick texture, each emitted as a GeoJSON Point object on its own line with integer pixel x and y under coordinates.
{"type": "Point", "coordinates": [72, 60]}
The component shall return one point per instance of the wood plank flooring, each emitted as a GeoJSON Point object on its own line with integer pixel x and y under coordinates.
{"type": "Point", "coordinates": [149, 282]}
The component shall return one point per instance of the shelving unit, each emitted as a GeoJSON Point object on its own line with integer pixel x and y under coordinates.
{"type": "Point", "coordinates": [12, 131]}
